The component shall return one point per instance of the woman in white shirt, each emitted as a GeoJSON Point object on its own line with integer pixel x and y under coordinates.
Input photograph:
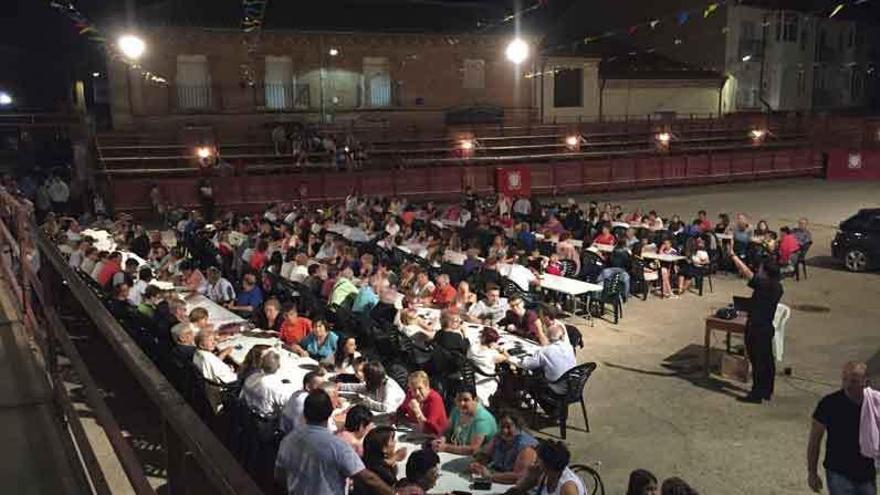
{"type": "Point", "coordinates": [485, 356]}
{"type": "Point", "coordinates": [378, 392]}
{"type": "Point", "coordinates": [415, 327]}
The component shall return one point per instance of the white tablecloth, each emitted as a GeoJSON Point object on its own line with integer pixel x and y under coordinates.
{"type": "Point", "coordinates": [293, 367]}
{"type": "Point", "coordinates": [568, 286]}
{"type": "Point", "coordinates": [666, 258]}
{"type": "Point", "coordinates": [454, 475]}
{"type": "Point", "coordinates": [217, 315]}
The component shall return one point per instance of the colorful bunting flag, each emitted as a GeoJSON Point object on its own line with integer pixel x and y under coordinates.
{"type": "Point", "coordinates": [682, 17]}
{"type": "Point", "coordinates": [710, 9]}
{"type": "Point", "coordinates": [836, 10]}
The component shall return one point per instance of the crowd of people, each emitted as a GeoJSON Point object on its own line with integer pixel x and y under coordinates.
{"type": "Point", "coordinates": [302, 142]}
{"type": "Point", "coordinates": [340, 284]}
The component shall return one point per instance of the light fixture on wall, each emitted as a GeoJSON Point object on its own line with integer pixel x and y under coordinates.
{"type": "Point", "coordinates": [333, 52]}
{"type": "Point", "coordinates": [758, 135]}
{"type": "Point", "coordinates": [663, 140]}
{"type": "Point", "coordinates": [131, 46]}
{"type": "Point", "coordinates": [204, 152]}
{"type": "Point", "coordinates": [5, 99]}
{"type": "Point", "coordinates": [517, 51]}
{"type": "Point", "coordinates": [573, 142]}
{"type": "Point", "coordinates": [746, 58]}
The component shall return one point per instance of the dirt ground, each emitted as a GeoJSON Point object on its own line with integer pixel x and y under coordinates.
{"type": "Point", "coordinates": [648, 402]}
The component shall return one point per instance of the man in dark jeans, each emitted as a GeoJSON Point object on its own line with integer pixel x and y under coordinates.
{"type": "Point", "coordinates": [846, 470]}
{"type": "Point", "coordinates": [766, 293]}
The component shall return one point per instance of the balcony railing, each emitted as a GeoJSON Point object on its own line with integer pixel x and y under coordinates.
{"type": "Point", "coordinates": [193, 97]}
{"type": "Point", "coordinates": [287, 96]}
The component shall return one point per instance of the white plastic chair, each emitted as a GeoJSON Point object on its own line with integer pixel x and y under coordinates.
{"type": "Point", "coordinates": [783, 312]}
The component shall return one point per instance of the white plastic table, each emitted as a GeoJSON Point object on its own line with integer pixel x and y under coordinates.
{"type": "Point", "coordinates": [453, 468]}
{"type": "Point", "coordinates": [567, 286]}
{"type": "Point", "coordinates": [293, 367]}
{"type": "Point", "coordinates": [665, 258]}
{"type": "Point", "coordinates": [217, 315]}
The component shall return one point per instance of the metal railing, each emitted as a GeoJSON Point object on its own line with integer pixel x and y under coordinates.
{"type": "Point", "coordinates": [196, 461]}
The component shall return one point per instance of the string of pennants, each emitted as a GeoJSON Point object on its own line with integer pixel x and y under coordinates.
{"type": "Point", "coordinates": [679, 19]}
{"type": "Point", "coordinates": [86, 28]}
{"type": "Point", "coordinates": [485, 26]}
{"type": "Point", "coordinates": [254, 13]}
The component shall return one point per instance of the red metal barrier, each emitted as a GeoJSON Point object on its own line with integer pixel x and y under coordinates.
{"type": "Point", "coordinates": [844, 164]}
{"type": "Point", "coordinates": [251, 193]}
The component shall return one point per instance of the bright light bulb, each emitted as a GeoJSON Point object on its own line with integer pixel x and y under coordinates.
{"type": "Point", "coordinates": [758, 134]}
{"type": "Point", "coordinates": [467, 144]}
{"type": "Point", "coordinates": [517, 51]}
{"type": "Point", "coordinates": [5, 99]}
{"type": "Point", "coordinates": [203, 152]}
{"type": "Point", "coordinates": [333, 52]}
{"type": "Point", "coordinates": [131, 46]}
{"type": "Point", "coordinates": [664, 138]}
{"type": "Point", "coordinates": [747, 58]}
{"type": "Point", "coordinates": [572, 141]}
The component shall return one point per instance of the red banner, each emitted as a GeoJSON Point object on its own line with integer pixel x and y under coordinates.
{"type": "Point", "coordinates": [514, 181]}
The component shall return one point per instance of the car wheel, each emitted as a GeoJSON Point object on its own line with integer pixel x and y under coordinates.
{"type": "Point", "coordinates": [856, 260]}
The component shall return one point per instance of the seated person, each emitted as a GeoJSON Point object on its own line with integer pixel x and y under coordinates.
{"type": "Point", "coordinates": [423, 288]}
{"type": "Point", "coordinates": [209, 360]}
{"type": "Point", "coordinates": [343, 287]}
{"type": "Point", "coordinates": [381, 456]}
{"type": "Point", "coordinates": [416, 327]}
{"type": "Point", "coordinates": [788, 246]}
{"type": "Point", "coordinates": [521, 321]}
{"type": "Point", "coordinates": [358, 422]}
{"type": "Point", "coordinates": [269, 317]}
{"type": "Point", "coordinates": [553, 360]}
{"type": "Point", "coordinates": [184, 342]}
{"type": "Point", "coordinates": [605, 237]}
{"type": "Point", "coordinates": [448, 343]}
{"type": "Point", "coordinates": [485, 356]}
{"type": "Point", "coordinates": [698, 261]}
{"type": "Point", "coordinates": [319, 344]}
{"type": "Point", "coordinates": [421, 473]}
{"type": "Point", "coordinates": [554, 267]}
{"type": "Point", "coordinates": [507, 457]}
{"type": "Point", "coordinates": [551, 468]}
{"type": "Point", "coordinates": [492, 309]}
{"type": "Point", "coordinates": [444, 293]}
{"type": "Point", "coordinates": [378, 392]}
{"type": "Point", "coordinates": [250, 297]}
{"type": "Point", "coordinates": [294, 328]}
{"type": "Point", "coordinates": [265, 392]}
{"type": "Point", "coordinates": [423, 406]}
{"type": "Point", "coordinates": [345, 357]}
{"type": "Point", "coordinates": [198, 317]}
{"type": "Point", "coordinates": [471, 426]}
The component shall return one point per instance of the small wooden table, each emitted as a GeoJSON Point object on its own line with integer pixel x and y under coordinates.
{"type": "Point", "coordinates": [734, 326]}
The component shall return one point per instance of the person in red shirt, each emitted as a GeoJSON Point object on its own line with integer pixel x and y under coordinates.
{"type": "Point", "coordinates": [605, 236]}
{"type": "Point", "coordinates": [444, 294]}
{"type": "Point", "coordinates": [423, 406]}
{"type": "Point", "coordinates": [788, 245]}
{"type": "Point", "coordinates": [705, 223]}
{"type": "Point", "coordinates": [294, 327]}
{"type": "Point", "coordinates": [259, 255]}
{"type": "Point", "coordinates": [554, 267]}
{"type": "Point", "coordinates": [111, 266]}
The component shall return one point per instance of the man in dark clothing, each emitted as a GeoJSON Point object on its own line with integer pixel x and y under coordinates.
{"type": "Point", "coordinates": [846, 470]}
{"type": "Point", "coordinates": [766, 293]}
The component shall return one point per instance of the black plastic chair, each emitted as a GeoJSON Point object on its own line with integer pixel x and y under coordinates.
{"type": "Point", "coordinates": [575, 380]}
{"type": "Point", "coordinates": [612, 293]}
{"type": "Point", "coordinates": [638, 281]}
{"type": "Point", "coordinates": [801, 262]}
{"type": "Point", "coordinates": [569, 268]}
{"type": "Point", "coordinates": [590, 477]}
{"type": "Point", "coordinates": [575, 338]}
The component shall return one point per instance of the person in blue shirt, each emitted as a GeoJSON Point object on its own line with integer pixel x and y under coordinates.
{"type": "Point", "coordinates": [250, 298]}
{"type": "Point", "coordinates": [525, 238]}
{"type": "Point", "coordinates": [320, 344]}
{"type": "Point", "coordinates": [367, 297]}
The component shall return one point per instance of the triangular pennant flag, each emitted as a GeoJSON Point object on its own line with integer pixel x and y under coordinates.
{"type": "Point", "coordinates": [86, 30]}
{"type": "Point", "coordinates": [590, 39]}
{"type": "Point", "coordinates": [654, 23]}
{"type": "Point", "coordinates": [710, 9]}
{"type": "Point", "coordinates": [682, 17]}
{"type": "Point", "coordinates": [836, 10]}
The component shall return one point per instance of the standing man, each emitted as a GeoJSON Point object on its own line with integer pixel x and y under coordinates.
{"type": "Point", "coordinates": [847, 471]}
{"type": "Point", "coordinates": [766, 293]}
{"type": "Point", "coordinates": [311, 459]}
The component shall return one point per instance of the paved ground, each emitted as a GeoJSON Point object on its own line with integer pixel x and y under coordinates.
{"type": "Point", "coordinates": [34, 460]}
{"type": "Point", "coordinates": [648, 403]}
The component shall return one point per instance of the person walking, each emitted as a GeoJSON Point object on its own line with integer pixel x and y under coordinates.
{"type": "Point", "coordinates": [847, 471]}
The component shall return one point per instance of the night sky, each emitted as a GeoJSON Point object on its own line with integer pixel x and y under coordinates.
{"type": "Point", "coordinates": [40, 51]}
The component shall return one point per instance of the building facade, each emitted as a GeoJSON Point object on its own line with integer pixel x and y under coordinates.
{"type": "Point", "coordinates": [316, 77]}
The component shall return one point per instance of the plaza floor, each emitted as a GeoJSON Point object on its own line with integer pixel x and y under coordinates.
{"type": "Point", "coordinates": [648, 402]}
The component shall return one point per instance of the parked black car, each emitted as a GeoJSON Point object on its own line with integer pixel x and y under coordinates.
{"type": "Point", "coordinates": [857, 243]}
